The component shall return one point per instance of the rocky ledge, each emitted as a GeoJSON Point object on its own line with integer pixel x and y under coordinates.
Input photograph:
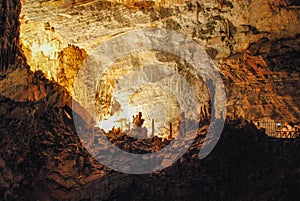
{"type": "Point", "coordinates": [42, 158]}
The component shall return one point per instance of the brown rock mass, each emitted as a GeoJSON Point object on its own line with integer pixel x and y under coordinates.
{"type": "Point", "coordinates": [41, 156]}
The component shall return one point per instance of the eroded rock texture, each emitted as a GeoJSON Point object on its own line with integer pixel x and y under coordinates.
{"type": "Point", "coordinates": [41, 157]}
{"type": "Point", "coordinates": [10, 55]}
{"type": "Point", "coordinates": [264, 33]}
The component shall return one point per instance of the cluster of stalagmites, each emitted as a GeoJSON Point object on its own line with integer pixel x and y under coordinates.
{"type": "Point", "coordinates": [41, 156]}
{"type": "Point", "coordinates": [135, 139]}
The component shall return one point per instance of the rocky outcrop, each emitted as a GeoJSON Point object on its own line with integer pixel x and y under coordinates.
{"type": "Point", "coordinates": [279, 54]}
{"type": "Point", "coordinates": [226, 174]}
{"type": "Point", "coordinates": [71, 59]}
{"type": "Point", "coordinates": [42, 158]}
{"type": "Point", "coordinates": [52, 164]}
{"type": "Point", "coordinates": [255, 91]}
{"type": "Point", "coordinates": [40, 152]}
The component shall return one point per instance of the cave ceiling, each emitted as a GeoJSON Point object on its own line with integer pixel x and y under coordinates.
{"type": "Point", "coordinates": [57, 36]}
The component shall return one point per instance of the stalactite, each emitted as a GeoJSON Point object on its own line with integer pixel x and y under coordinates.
{"type": "Point", "coordinates": [197, 11]}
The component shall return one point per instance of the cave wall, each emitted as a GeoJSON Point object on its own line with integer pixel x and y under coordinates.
{"type": "Point", "coordinates": [224, 29]}
{"type": "Point", "coordinates": [54, 165]}
{"type": "Point", "coordinates": [157, 98]}
{"type": "Point", "coordinates": [254, 43]}
{"type": "Point", "coordinates": [258, 30]}
{"type": "Point", "coordinates": [32, 114]}
{"type": "Point", "coordinates": [10, 54]}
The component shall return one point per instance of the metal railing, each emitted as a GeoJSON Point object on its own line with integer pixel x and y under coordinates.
{"type": "Point", "coordinates": [276, 130]}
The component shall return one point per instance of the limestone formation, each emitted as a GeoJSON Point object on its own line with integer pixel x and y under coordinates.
{"type": "Point", "coordinates": [227, 29]}
{"type": "Point", "coordinates": [42, 157]}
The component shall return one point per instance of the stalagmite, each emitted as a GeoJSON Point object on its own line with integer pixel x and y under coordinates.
{"type": "Point", "coordinates": [152, 135]}
{"type": "Point", "coordinates": [171, 130]}
{"type": "Point", "coordinates": [197, 11]}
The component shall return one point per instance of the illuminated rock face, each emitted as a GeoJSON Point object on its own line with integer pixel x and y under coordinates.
{"type": "Point", "coordinates": [71, 59]}
{"type": "Point", "coordinates": [256, 92]}
{"type": "Point", "coordinates": [151, 82]}
{"type": "Point", "coordinates": [229, 30]}
{"type": "Point", "coordinates": [222, 29]}
{"type": "Point", "coordinates": [53, 161]}
{"type": "Point", "coordinates": [47, 51]}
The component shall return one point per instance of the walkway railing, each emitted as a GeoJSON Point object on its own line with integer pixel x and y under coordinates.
{"type": "Point", "coordinates": [276, 130]}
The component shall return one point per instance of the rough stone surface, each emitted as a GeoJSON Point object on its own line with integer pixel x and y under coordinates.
{"type": "Point", "coordinates": [51, 164]}
{"type": "Point", "coordinates": [263, 29]}
{"type": "Point", "coordinates": [160, 73]}
{"type": "Point", "coordinates": [255, 91]}
{"type": "Point", "coordinates": [41, 157]}
{"type": "Point", "coordinates": [10, 54]}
